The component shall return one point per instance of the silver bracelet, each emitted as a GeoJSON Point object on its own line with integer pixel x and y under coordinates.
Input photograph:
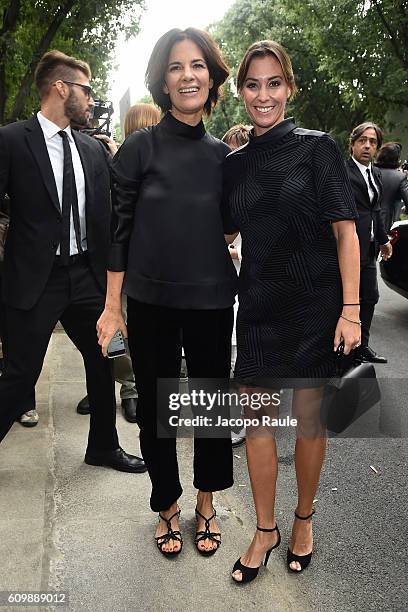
{"type": "Point", "coordinates": [350, 321]}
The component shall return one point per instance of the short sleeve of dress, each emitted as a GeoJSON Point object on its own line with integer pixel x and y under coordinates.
{"type": "Point", "coordinates": [227, 220]}
{"type": "Point", "coordinates": [334, 191]}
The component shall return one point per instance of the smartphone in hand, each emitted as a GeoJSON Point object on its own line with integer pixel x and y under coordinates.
{"type": "Point", "coordinates": [117, 346]}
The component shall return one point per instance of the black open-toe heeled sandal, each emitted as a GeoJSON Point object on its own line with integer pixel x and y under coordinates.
{"type": "Point", "coordinates": [303, 560]}
{"type": "Point", "coordinates": [250, 573]}
{"type": "Point", "coordinates": [170, 535]}
{"type": "Point", "coordinates": [214, 536]}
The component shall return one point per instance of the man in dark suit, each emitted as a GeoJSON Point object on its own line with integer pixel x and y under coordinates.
{"type": "Point", "coordinates": [366, 183]}
{"type": "Point", "coordinates": [56, 250]}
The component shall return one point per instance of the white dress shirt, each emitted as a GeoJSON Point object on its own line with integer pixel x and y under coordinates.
{"type": "Point", "coordinates": [55, 150]}
{"type": "Point", "coordinates": [363, 169]}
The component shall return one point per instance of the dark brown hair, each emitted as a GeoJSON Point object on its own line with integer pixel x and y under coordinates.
{"type": "Point", "coordinates": [389, 155]}
{"type": "Point", "coordinates": [54, 66]}
{"type": "Point", "coordinates": [237, 135]}
{"type": "Point", "coordinates": [139, 116]}
{"type": "Point", "coordinates": [356, 133]}
{"type": "Point", "coordinates": [157, 66]}
{"type": "Point", "coordinates": [263, 48]}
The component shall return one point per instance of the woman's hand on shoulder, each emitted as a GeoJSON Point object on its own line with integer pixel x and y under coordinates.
{"type": "Point", "coordinates": [108, 324]}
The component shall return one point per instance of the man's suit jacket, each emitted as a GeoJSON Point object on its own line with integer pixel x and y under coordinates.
{"type": "Point", "coordinates": [35, 228]}
{"type": "Point", "coordinates": [395, 189]}
{"type": "Point", "coordinates": [366, 212]}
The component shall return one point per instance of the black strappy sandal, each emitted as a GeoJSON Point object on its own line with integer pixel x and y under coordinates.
{"type": "Point", "coordinates": [207, 535]}
{"type": "Point", "coordinates": [170, 535]}
{"type": "Point", "coordinates": [250, 573]}
{"type": "Point", "coordinates": [303, 560]}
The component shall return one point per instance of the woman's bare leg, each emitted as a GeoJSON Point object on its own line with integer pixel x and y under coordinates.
{"type": "Point", "coordinates": [309, 456]}
{"type": "Point", "coordinates": [263, 470]}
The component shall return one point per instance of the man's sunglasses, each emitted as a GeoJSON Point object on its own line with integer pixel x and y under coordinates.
{"type": "Point", "coordinates": [87, 88]}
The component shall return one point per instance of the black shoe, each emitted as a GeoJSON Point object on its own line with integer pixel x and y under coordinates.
{"type": "Point", "coordinates": [367, 354]}
{"type": "Point", "coordinates": [237, 440]}
{"type": "Point", "coordinates": [303, 560]}
{"type": "Point", "coordinates": [83, 406]}
{"type": "Point", "coordinates": [118, 460]}
{"type": "Point", "coordinates": [129, 407]}
{"type": "Point", "coordinates": [250, 573]}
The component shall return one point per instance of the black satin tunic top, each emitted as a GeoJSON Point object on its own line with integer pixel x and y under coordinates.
{"type": "Point", "coordinates": [167, 187]}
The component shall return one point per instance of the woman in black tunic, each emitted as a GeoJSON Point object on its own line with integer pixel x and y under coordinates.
{"type": "Point", "coordinates": [179, 277]}
{"type": "Point", "coordinates": [288, 195]}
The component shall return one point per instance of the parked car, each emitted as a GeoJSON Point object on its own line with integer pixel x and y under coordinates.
{"type": "Point", "coordinates": [394, 272]}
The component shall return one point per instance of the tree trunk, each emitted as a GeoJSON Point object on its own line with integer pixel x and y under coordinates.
{"type": "Point", "coordinates": [224, 111]}
{"type": "Point", "coordinates": [10, 18]}
{"type": "Point", "coordinates": [42, 47]}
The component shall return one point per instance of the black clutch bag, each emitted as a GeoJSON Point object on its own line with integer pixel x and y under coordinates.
{"type": "Point", "coordinates": [350, 394]}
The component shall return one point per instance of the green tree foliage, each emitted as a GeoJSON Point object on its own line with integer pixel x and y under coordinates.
{"type": "Point", "coordinates": [146, 99]}
{"type": "Point", "coordinates": [87, 29]}
{"type": "Point", "coordinates": [363, 47]}
{"type": "Point", "coordinates": [350, 58]}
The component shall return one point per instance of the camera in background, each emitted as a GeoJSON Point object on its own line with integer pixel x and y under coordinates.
{"type": "Point", "coordinates": [100, 120]}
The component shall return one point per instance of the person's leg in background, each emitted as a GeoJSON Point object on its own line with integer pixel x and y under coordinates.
{"type": "Point", "coordinates": [2, 327]}
{"type": "Point", "coordinates": [124, 375]}
{"type": "Point", "coordinates": [31, 331]}
{"type": "Point", "coordinates": [30, 416]}
{"type": "Point", "coordinates": [368, 299]}
{"type": "Point", "coordinates": [123, 372]}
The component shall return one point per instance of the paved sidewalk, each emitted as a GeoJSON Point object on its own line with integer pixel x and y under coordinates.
{"type": "Point", "coordinates": [67, 526]}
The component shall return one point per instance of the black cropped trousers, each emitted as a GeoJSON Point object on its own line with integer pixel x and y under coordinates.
{"type": "Point", "coordinates": [156, 337]}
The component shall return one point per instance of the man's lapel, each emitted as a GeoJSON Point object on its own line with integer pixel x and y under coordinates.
{"type": "Point", "coordinates": [36, 143]}
{"type": "Point", "coordinates": [355, 170]}
{"type": "Point", "coordinates": [85, 153]}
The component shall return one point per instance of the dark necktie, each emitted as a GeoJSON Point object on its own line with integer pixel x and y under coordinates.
{"type": "Point", "coordinates": [373, 189]}
{"type": "Point", "coordinates": [69, 198]}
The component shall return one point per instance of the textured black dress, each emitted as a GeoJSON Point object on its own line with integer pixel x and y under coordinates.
{"type": "Point", "coordinates": [281, 191]}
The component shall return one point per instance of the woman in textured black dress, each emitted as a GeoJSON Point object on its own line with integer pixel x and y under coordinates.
{"type": "Point", "coordinates": [288, 195]}
{"type": "Point", "coordinates": [179, 278]}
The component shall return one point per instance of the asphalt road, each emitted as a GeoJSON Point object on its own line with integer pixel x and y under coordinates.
{"type": "Point", "coordinates": [360, 523]}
